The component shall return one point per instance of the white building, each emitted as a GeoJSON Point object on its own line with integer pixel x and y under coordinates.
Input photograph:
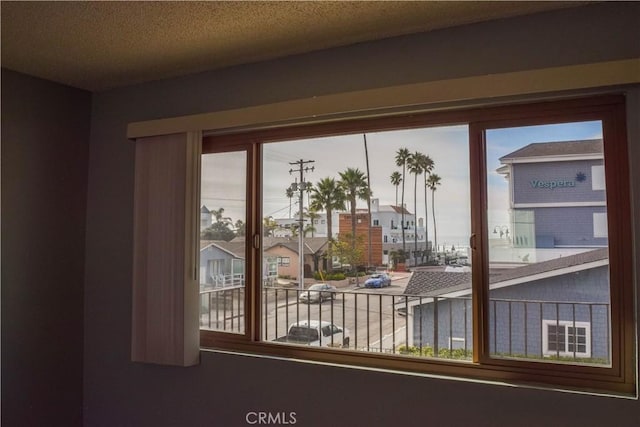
{"type": "Point", "coordinates": [389, 217]}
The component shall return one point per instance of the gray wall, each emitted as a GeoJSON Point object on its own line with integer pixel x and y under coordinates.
{"type": "Point", "coordinates": [45, 151]}
{"type": "Point", "coordinates": [224, 387]}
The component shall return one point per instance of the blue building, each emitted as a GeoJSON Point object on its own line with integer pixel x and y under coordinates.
{"type": "Point", "coordinates": [557, 194]}
{"type": "Point", "coordinates": [555, 308]}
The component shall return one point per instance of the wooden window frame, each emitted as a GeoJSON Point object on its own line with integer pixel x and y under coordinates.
{"type": "Point", "coordinates": [619, 378]}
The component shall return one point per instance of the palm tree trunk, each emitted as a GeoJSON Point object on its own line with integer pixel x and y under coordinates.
{"type": "Point", "coordinates": [404, 248]}
{"type": "Point", "coordinates": [433, 215]}
{"type": "Point", "coordinates": [426, 217]}
{"type": "Point", "coordinates": [329, 241]}
{"type": "Point", "coordinates": [366, 155]}
{"type": "Point", "coordinates": [415, 223]}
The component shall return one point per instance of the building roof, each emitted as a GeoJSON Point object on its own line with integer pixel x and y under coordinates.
{"type": "Point", "coordinates": [312, 245]}
{"type": "Point", "coordinates": [432, 283]}
{"type": "Point", "coordinates": [435, 282]}
{"type": "Point", "coordinates": [204, 210]}
{"type": "Point", "coordinates": [561, 148]}
{"type": "Point", "coordinates": [400, 209]}
{"type": "Point", "coordinates": [234, 247]}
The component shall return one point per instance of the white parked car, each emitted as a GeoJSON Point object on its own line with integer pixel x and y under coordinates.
{"type": "Point", "coordinates": [316, 333]}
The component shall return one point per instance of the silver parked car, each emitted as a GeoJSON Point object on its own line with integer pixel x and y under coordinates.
{"type": "Point", "coordinates": [318, 293]}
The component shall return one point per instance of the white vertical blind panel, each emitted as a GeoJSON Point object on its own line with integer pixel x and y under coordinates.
{"type": "Point", "coordinates": [165, 277]}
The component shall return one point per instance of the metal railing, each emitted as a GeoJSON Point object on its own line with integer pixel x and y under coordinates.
{"type": "Point", "coordinates": [223, 309]}
{"type": "Point", "coordinates": [421, 326]}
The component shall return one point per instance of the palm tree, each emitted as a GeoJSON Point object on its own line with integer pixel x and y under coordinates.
{"type": "Point", "coordinates": [289, 193]}
{"type": "Point", "coordinates": [396, 179]}
{"type": "Point", "coordinates": [313, 216]}
{"type": "Point", "coordinates": [217, 214]}
{"type": "Point", "coordinates": [327, 196]}
{"type": "Point", "coordinates": [401, 160]}
{"type": "Point", "coordinates": [414, 164]}
{"type": "Point", "coordinates": [433, 182]}
{"type": "Point", "coordinates": [427, 167]}
{"type": "Point", "coordinates": [354, 184]}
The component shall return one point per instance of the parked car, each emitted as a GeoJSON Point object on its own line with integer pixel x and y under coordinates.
{"type": "Point", "coordinates": [315, 333]}
{"type": "Point", "coordinates": [379, 280]}
{"type": "Point", "coordinates": [318, 293]}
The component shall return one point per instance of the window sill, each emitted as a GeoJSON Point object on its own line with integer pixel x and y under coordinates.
{"type": "Point", "coordinates": [466, 372]}
{"type": "Point", "coordinates": [595, 381]}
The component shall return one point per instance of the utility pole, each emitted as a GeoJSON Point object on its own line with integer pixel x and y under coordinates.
{"type": "Point", "coordinates": [301, 187]}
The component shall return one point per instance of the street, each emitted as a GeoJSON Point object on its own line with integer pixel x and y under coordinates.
{"type": "Point", "coordinates": [373, 322]}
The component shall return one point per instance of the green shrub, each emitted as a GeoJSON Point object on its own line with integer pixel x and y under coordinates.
{"type": "Point", "coordinates": [462, 354]}
{"type": "Point", "coordinates": [327, 276]}
{"type": "Point", "coordinates": [443, 353]}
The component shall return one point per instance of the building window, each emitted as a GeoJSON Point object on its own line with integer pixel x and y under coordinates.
{"type": "Point", "coordinates": [493, 309]}
{"type": "Point", "coordinates": [566, 338]}
{"type": "Point", "coordinates": [600, 225]}
{"type": "Point", "coordinates": [284, 261]}
{"type": "Point", "coordinates": [597, 177]}
{"type": "Point", "coordinates": [376, 222]}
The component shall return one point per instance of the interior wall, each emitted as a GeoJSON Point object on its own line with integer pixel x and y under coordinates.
{"type": "Point", "coordinates": [224, 388]}
{"type": "Point", "coordinates": [45, 152]}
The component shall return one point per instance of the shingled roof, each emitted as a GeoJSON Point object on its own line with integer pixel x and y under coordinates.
{"type": "Point", "coordinates": [312, 245]}
{"type": "Point", "coordinates": [235, 248]}
{"type": "Point", "coordinates": [432, 283]}
{"type": "Point", "coordinates": [562, 148]}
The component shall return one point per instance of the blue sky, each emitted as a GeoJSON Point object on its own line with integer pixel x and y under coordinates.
{"type": "Point", "coordinates": [223, 174]}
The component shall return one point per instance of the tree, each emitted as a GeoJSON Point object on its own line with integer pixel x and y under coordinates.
{"type": "Point", "coordinates": [414, 165]}
{"type": "Point", "coordinates": [239, 227]}
{"type": "Point", "coordinates": [310, 227]}
{"type": "Point", "coordinates": [347, 252]}
{"type": "Point", "coordinates": [427, 167]}
{"type": "Point", "coordinates": [401, 160]}
{"type": "Point", "coordinates": [433, 182]}
{"type": "Point", "coordinates": [268, 225]}
{"type": "Point", "coordinates": [327, 196]}
{"type": "Point", "coordinates": [217, 214]}
{"type": "Point", "coordinates": [396, 179]}
{"type": "Point", "coordinates": [289, 193]}
{"type": "Point", "coordinates": [220, 229]}
{"type": "Point", "coordinates": [354, 184]}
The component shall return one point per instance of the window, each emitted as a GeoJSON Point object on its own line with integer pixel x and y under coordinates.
{"type": "Point", "coordinates": [567, 339]}
{"type": "Point", "coordinates": [600, 224]}
{"type": "Point", "coordinates": [223, 243]}
{"type": "Point", "coordinates": [527, 280]}
{"type": "Point", "coordinates": [597, 177]}
{"type": "Point", "coordinates": [284, 261]}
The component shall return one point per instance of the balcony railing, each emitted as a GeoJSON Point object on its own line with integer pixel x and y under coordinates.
{"type": "Point", "coordinates": [424, 326]}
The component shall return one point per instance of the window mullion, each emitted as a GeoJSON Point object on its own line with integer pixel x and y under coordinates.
{"type": "Point", "coordinates": [480, 298]}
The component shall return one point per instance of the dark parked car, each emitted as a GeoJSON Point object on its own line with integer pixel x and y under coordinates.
{"type": "Point", "coordinates": [379, 280]}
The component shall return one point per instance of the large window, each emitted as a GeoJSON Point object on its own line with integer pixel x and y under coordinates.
{"type": "Point", "coordinates": [511, 264]}
{"type": "Point", "coordinates": [547, 245]}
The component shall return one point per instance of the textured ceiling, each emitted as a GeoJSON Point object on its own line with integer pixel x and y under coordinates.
{"type": "Point", "coordinates": [101, 45]}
